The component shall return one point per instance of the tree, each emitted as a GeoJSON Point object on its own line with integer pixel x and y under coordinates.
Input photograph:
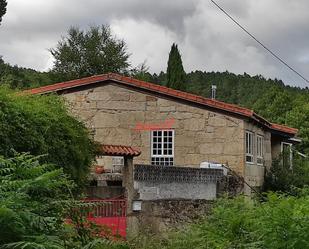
{"type": "Point", "coordinates": [175, 73]}
{"type": "Point", "coordinates": [86, 53]}
{"type": "Point", "coordinates": [41, 125]}
{"type": "Point", "coordinates": [141, 72]}
{"type": "Point", "coordinates": [3, 5]}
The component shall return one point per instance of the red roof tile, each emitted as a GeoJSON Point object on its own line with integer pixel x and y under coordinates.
{"type": "Point", "coordinates": [284, 128]}
{"type": "Point", "coordinates": [165, 91]}
{"type": "Point", "coordinates": [118, 150]}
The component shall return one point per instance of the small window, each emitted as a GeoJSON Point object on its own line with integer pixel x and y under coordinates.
{"type": "Point", "coordinates": [259, 149]}
{"type": "Point", "coordinates": [249, 147]}
{"type": "Point", "coordinates": [287, 155]}
{"type": "Point", "coordinates": [162, 147]}
{"type": "Point", "coordinates": [117, 163]}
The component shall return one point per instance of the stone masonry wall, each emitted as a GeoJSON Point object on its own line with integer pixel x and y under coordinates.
{"type": "Point", "coordinates": [112, 111]}
{"type": "Point", "coordinates": [159, 215]}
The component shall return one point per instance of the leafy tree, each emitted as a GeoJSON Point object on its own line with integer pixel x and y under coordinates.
{"type": "Point", "coordinates": [86, 53]}
{"type": "Point", "coordinates": [175, 73]}
{"type": "Point", "coordinates": [41, 125]}
{"type": "Point", "coordinates": [3, 5]}
{"type": "Point", "coordinates": [141, 72]}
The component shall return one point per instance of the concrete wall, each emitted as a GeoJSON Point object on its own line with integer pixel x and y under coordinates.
{"type": "Point", "coordinates": [160, 182]}
{"type": "Point", "coordinates": [112, 111]}
{"type": "Point", "coordinates": [176, 190]}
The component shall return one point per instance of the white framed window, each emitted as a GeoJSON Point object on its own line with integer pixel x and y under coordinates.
{"type": "Point", "coordinates": [259, 149]}
{"type": "Point", "coordinates": [117, 161]}
{"type": "Point", "coordinates": [287, 155]}
{"type": "Point", "coordinates": [249, 147]}
{"type": "Point", "coordinates": [117, 164]}
{"type": "Point", "coordinates": [162, 147]}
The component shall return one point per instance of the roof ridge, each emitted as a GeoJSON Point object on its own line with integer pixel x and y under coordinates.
{"type": "Point", "coordinates": [127, 80]}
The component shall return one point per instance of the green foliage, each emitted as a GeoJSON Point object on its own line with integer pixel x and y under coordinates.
{"type": "Point", "coordinates": [282, 177]}
{"type": "Point", "coordinates": [280, 222]}
{"type": "Point", "coordinates": [22, 78]}
{"type": "Point", "coordinates": [175, 73]}
{"type": "Point", "coordinates": [141, 72]}
{"type": "Point", "coordinates": [41, 125]}
{"type": "Point", "coordinates": [30, 198]}
{"type": "Point", "coordinates": [34, 201]}
{"type": "Point", "coordinates": [86, 53]}
{"type": "Point", "coordinates": [3, 5]}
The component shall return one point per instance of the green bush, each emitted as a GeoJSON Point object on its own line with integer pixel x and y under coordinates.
{"type": "Point", "coordinates": [35, 201]}
{"type": "Point", "coordinates": [283, 177]}
{"type": "Point", "coordinates": [31, 196]}
{"type": "Point", "coordinates": [41, 125]}
{"type": "Point", "coordinates": [280, 222]}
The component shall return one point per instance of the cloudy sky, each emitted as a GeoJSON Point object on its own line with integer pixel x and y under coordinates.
{"type": "Point", "coordinates": [207, 39]}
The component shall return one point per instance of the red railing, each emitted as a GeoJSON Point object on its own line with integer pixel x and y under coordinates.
{"type": "Point", "coordinates": [107, 207]}
{"type": "Point", "coordinates": [109, 212]}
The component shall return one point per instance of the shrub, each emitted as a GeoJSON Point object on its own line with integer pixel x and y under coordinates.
{"type": "Point", "coordinates": [35, 199]}
{"type": "Point", "coordinates": [41, 125]}
{"type": "Point", "coordinates": [279, 222]}
{"type": "Point", "coordinates": [282, 177]}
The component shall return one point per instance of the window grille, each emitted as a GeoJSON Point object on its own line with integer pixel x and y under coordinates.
{"type": "Point", "coordinates": [162, 147]}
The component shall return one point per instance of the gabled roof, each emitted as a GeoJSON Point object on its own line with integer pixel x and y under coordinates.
{"type": "Point", "coordinates": [216, 104]}
{"type": "Point", "coordinates": [117, 150]}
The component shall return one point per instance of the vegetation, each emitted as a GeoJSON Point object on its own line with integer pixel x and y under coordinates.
{"type": "Point", "coordinates": [175, 74]}
{"type": "Point", "coordinates": [21, 78]}
{"type": "Point", "coordinates": [91, 52]}
{"type": "Point", "coordinates": [279, 222]}
{"type": "Point", "coordinates": [3, 5]}
{"type": "Point", "coordinates": [30, 195]}
{"type": "Point", "coordinates": [41, 125]}
{"type": "Point", "coordinates": [34, 200]}
{"type": "Point", "coordinates": [286, 178]}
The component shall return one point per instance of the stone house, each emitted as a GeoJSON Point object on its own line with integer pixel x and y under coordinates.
{"type": "Point", "coordinates": [172, 127]}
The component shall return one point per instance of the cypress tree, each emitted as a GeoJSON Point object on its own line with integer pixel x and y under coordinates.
{"type": "Point", "coordinates": [175, 74]}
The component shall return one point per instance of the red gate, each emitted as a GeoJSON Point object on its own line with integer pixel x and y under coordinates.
{"type": "Point", "coordinates": [109, 212]}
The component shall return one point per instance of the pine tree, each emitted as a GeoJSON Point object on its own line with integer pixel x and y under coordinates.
{"type": "Point", "coordinates": [175, 73]}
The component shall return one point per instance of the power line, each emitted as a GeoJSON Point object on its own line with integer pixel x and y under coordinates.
{"type": "Point", "coordinates": [259, 42]}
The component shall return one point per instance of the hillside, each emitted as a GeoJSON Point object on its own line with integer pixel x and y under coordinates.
{"type": "Point", "coordinates": [271, 99]}
{"type": "Point", "coordinates": [22, 78]}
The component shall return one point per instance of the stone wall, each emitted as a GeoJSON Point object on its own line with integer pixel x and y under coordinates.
{"type": "Point", "coordinates": [112, 111]}
{"type": "Point", "coordinates": [159, 215]}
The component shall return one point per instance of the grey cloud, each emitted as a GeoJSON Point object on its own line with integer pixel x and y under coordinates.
{"type": "Point", "coordinates": [207, 38]}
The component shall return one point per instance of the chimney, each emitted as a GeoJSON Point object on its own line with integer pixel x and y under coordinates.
{"type": "Point", "coordinates": [213, 91]}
